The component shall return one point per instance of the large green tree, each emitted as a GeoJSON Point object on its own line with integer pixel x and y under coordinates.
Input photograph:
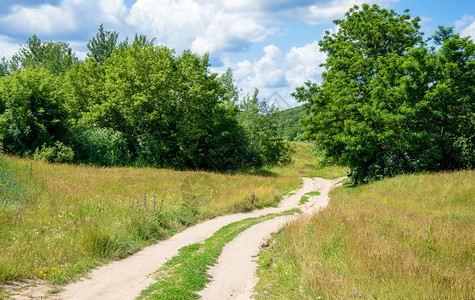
{"type": "Point", "coordinates": [57, 57]}
{"type": "Point", "coordinates": [102, 45]}
{"type": "Point", "coordinates": [388, 103]}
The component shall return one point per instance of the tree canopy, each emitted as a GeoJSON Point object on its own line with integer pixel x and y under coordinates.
{"type": "Point", "coordinates": [389, 103]}
{"type": "Point", "coordinates": [57, 57]}
{"type": "Point", "coordinates": [102, 45]}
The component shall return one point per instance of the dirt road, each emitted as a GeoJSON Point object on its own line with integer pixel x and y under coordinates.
{"type": "Point", "coordinates": [234, 271]}
{"type": "Point", "coordinates": [234, 274]}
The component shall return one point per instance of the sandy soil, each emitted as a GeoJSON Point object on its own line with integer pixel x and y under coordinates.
{"type": "Point", "coordinates": [29, 289]}
{"type": "Point", "coordinates": [235, 271]}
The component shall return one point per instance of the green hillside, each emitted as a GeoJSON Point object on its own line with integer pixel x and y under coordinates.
{"type": "Point", "coordinates": [288, 124]}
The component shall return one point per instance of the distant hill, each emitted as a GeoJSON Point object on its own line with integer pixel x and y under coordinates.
{"type": "Point", "coordinates": [288, 123]}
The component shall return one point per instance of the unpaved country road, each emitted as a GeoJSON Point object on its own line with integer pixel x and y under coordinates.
{"type": "Point", "coordinates": [234, 273]}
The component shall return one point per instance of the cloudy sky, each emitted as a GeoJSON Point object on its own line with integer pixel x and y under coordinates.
{"type": "Point", "coordinates": [270, 45]}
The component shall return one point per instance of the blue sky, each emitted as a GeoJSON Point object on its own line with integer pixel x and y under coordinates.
{"type": "Point", "coordinates": [270, 45]}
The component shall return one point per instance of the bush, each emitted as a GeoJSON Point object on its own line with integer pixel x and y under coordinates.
{"type": "Point", "coordinates": [32, 111]}
{"type": "Point", "coordinates": [99, 146]}
{"type": "Point", "coordinates": [58, 153]}
{"type": "Point", "coordinates": [148, 151]}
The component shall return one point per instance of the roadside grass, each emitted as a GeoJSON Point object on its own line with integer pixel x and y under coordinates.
{"type": "Point", "coordinates": [4, 294]}
{"type": "Point", "coordinates": [329, 172]}
{"type": "Point", "coordinates": [304, 158]}
{"type": "Point", "coordinates": [408, 237]}
{"type": "Point", "coordinates": [62, 220]}
{"type": "Point", "coordinates": [186, 273]}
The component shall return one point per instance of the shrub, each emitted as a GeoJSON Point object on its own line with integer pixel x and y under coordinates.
{"type": "Point", "coordinates": [32, 111]}
{"type": "Point", "coordinates": [58, 153]}
{"type": "Point", "coordinates": [99, 146]}
{"type": "Point", "coordinates": [148, 151]}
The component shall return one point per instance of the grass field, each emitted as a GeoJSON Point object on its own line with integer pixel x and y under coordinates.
{"type": "Point", "coordinates": [409, 237]}
{"type": "Point", "coordinates": [57, 221]}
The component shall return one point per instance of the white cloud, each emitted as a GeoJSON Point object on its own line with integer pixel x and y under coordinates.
{"type": "Point", "coordinates": [8, 47]}
{"type": "Point", "coordinates": [304, 64]}
{"type": "Point", "coordinates": [469, 30]}
{"type": "Point", "coordinates": [45, 19]}
{"type": "Point", "coordinates": [70, 17]}
{"type": "Point", "coordinates": [466, 26]}
{"type": "Point", "coordinates": [277, 74]}
{"type": "Point", "coordinates": [268, 71]}
{"type": "Point", "coordinates": [173, 22]}
{"type": "Point", "coordinates": [229, 32]}
{"type": "Point", "coordinates": [203, 27]}
{"type": "Point", "coordinates": [111, 11]}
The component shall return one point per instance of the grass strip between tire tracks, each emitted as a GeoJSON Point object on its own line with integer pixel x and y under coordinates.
{"type": "Point", "coordinates": [305, 198]}
{"type": "Point", "coordinates": [186, 273]}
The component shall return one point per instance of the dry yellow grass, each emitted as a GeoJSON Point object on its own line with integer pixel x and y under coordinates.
{"type": "Point", "coordinates": [410, 237]}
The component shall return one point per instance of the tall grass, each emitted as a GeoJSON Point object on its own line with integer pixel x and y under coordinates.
{"type": "Point", "coordinates": [409, 237]}
{"type": "Point", "coordinates": [78, 217]}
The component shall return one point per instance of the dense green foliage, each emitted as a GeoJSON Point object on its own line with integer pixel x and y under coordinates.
{"type": "Point", "coordinates": [102, 45]}
{"type": "Point", "coordinates": [288, 123]}
{"type": "Point", "coordinates": [130, 104]}
{"type": "Point", "coordinates": [57, 57]}
{"type": "Point", "coordinates": [389, 103]}
{"type": "Point", "coordinates": [32, 111]}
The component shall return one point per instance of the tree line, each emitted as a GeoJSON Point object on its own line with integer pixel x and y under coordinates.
{"type": "Point", "coordinates": [131, 103]}
{"type": "Point", "coordinates": [390, 101]}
